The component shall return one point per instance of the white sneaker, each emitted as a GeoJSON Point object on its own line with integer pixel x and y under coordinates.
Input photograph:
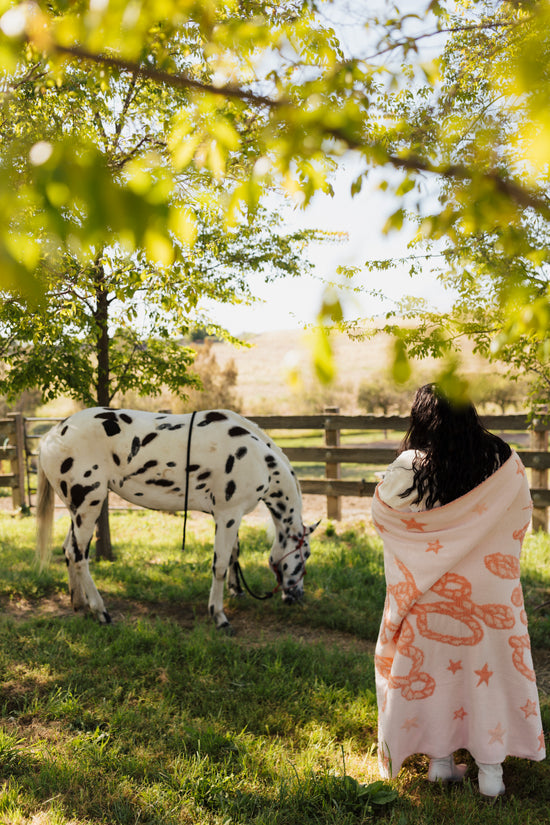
{"type": "Point", "coordinates": [490, 780]}
{"type": "Point", "coordinates": [444, 770]}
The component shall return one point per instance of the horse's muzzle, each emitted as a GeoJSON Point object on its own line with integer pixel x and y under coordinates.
{"type": "Point", "coordinates": [293, 595]}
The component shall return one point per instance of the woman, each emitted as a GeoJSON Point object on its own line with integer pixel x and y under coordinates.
{"type": "Point", "coordinates": [453, 660]}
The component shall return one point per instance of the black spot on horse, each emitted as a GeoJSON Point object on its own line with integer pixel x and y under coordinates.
{"type": "Point", "coordinates": [170, 427]}
{"type": "Point", "coordinates": [111, 427]}
{"type": "Point", "coordinates": [87, 474]}
{"type": "Point", "coordinates": [234, 432]}
{"type": "Point", "coordinates": [147, 466]}
{"type": "Point", "coordinates": [241, 452]}
{"type": "Point", "coordinates": [168, 463]}
{"type": "Point", "coordinates": [230, 523]}
{"type": "Point", "coordinates": [281, 506]}
{"type": "Point", "coordinates": [229, 464]}
{"type": "Point", "coordinates": [79, 493]}
{"type": "Point", "coordinates": [116, 459]}
{"type": "Point", "coordinates": [134, 449]}
{"type": "Point", "coordinates": [230, 490]}
{"type": "Point", "coordinates": [78, 520]}
{"type": "Point", "coordinates": [200, 486]}
{"type": "Point", "coordinates": [77, 555]}
{"type": "Point", "coordinates": [160, 482]}
{"type": "Point", "coordinates": [277, 494]}
{"type": "Point", "coordinates": [64, 430]}
{"type": "Point", "coordinates": [193, 467]}
{"type": "Point", "coordinates": [148, 438]}
{"type": "Point", "coordinates": [271, 461]}
{"type": "Point", "coordinates": [204, 475]}
{"type": "Point", "coordinates": [109, 420]}
{"type": "Point", "coordinates": [63, 486]}
{"type": "Point", "coordinates": [126, 418]}
{"type": "Point", "coordinates": [66, 465]}
{"type": "Point", "coordinates": [211, 417]}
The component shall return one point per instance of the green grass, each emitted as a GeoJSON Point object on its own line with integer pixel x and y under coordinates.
{"type": "Point", "coordinates": [160, 719]}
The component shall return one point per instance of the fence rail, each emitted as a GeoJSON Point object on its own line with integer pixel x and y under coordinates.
{"type": "Point", "coordinates": [12, 451]}
{"type": "Point", "coordinates": [530, 437]}
{"type": "Point", "coordinates": [515, 427]}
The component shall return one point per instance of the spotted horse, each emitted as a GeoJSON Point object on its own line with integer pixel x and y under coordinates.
{"type": "Point", "coordinates": [216, 461]}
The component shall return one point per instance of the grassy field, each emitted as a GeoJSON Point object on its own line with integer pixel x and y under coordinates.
{"type": "Point", "coordinates": [160, 719]}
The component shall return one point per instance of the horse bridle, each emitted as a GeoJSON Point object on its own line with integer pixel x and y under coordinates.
{"type": "Point", "coordinates": [275, 567]}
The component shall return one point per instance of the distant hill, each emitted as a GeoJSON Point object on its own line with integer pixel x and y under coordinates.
{"type": "Point", "coordinates": [263, 369]}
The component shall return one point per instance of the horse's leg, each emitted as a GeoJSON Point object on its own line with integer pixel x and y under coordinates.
{"type": "Point", "coordinates": [76, 549]}
{"type": "Point", "coordinates": [233, 579]}
{"type": "Point", "coordinates": [224, 544]}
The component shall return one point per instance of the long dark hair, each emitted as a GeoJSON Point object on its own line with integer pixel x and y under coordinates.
{"type": "Point", "coordinates": [459, 453]}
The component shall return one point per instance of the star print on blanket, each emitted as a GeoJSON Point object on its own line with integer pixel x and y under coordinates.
{"type": "Point", "coordinates": [453, 657]}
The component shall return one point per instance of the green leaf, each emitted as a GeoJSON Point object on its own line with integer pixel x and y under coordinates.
{"type": "Point", "coordinates": [400, 368]}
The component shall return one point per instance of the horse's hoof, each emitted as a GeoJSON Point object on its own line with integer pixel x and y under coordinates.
{"type": "Point", "coordinates": [237, 594]}
{"type": "Point", "coordinates": [105, 618]}
{"type": "Point", "coordinates": [226, 629]}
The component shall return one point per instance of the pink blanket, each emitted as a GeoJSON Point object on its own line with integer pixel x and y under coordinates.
{"type": "Point", "coordinates": [453, 657]}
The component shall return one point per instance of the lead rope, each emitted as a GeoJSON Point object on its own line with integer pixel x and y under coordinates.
{"type": "Point", "coordinates": [187, 478]}
{"type": "Point", "coordinates": [269, 593]}
{"type": "Point", "coordinates": [240, 575]}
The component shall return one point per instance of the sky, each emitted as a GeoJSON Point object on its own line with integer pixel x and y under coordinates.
{"type": "Point", "coordinates": [293, 303]}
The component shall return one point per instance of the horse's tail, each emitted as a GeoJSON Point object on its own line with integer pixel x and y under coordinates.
{"type": "Point", "coordinates": [45, 501]}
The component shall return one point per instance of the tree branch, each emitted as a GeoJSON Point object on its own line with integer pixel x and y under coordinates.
{"type": "Point", "coordinates": [178, 81]}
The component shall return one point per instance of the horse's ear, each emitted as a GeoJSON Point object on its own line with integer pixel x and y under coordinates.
{"type": "Point", "coordinates": [309, 530]}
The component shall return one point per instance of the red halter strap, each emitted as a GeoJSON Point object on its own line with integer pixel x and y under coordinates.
{"type": "Point", "coordinates": [275, 567]}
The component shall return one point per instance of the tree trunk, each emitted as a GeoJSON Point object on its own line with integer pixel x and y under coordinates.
{"type": "Point", "coordinates": [103, 546]}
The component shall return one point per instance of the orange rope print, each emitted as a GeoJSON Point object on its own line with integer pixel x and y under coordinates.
{"type": "Point", "coordinates": [457, 591]}
{"type": "Point", "coordinates": [460, 607]}
{"type": "Point", "coordinates": [519, 535]}
{"type": "Point", "coordinates": [505, 567]}
{"type": "Point", "coordinates": [519, 645]}
{"type": "Point", "coordinates": [416, 684]}
{"type": "Point", "coordinates": [405, 593]}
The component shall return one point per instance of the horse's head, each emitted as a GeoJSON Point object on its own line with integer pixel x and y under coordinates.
{"type": "Point", "coordinates": [288, 561]}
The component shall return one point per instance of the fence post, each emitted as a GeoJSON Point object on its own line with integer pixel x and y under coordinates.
{"type": "Point", "coordinates": [332, 468]}
{"type": "Point", "coordinates": [18, 463]}
{"type": "Point", "coordinates": [539, 478]}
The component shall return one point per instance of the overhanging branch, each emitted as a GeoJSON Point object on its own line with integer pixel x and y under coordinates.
{"type": "Point", "coordinates": [178, 81]}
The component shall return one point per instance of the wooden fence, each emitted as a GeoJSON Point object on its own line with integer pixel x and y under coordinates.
{"type": "Point", "coordinates": [515, 428]}
{"type": "Point", "coordinates": [12, 452]}
{"type": "Point", "coordinates": [332, 454]}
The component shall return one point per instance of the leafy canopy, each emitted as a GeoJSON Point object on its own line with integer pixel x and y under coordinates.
{"type": "Point", "coordinates": [470, 128]}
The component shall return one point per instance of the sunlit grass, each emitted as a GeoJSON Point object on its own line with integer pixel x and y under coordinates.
{"type": "Point", "coordinates": [155, 720]}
